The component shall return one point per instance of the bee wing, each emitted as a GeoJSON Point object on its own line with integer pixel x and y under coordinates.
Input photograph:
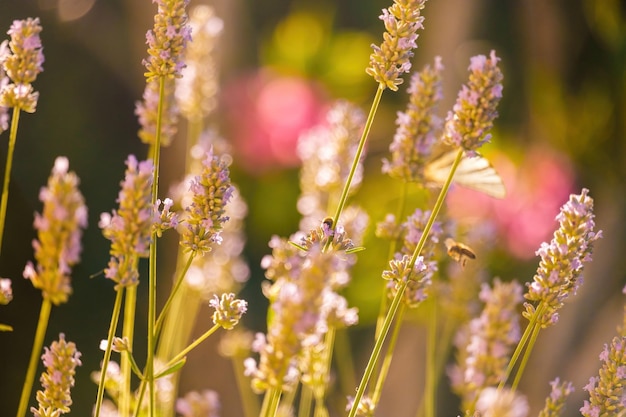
{"type": "Point", "coordinates": [475, 173]}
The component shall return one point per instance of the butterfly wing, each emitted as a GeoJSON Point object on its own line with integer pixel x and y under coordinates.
{"type": "Point", "coordinates": [475, 173]}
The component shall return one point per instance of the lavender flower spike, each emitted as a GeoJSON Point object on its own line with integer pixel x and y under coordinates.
{"type": "Point", "coordinates": [228, 310]}
{"type": "Point", "coordinates": [206, 214]}
{"type": "Point", "coordinates": [22, 61]}
{"type": "Point", "coordinates": [471, 118]}
{"type": "Point", "coordinates": [555, 403]}
{"type": "Point", "coordinates": [6, 293]}
{"type": "Point", "coordinates": [393, 57]}
{"type": "Point", "coordinates": [562, 260]}
{"type": "Point", "coordinates": [607, 392]}
{"type": "Point", "coordinates": [60, 360]}
{"type": "Point", "coordinates": [167, 40]}
{"type": "Point", "coordinates": [418, 126]}
{"type": "Point", "coordinates": [58, 247]}
{"type": "Point", "coordinates": [129, 227]}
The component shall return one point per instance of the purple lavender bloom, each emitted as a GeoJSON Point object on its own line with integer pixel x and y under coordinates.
{"type": "Point", "coordinates": [167, 40]}
{"type": "Point", "coordinates": [129, 228]}
{"type": "Point", "coordinates": [562, 260]}
{"type": "Point", "coordinates": [393, 57]}
{"type": "Point", "coordinates": [471, 118]}
{"type": "Point", "coordinates": [59, 228]}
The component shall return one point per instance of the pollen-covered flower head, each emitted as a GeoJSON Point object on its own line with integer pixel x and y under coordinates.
{"type": "Point", "coordinates": [607, 391]}
{"type": "Point", "coordinates": [196, 90]}
{"type": "Point", "coordinates": [393, 57]}
{"type": "Point", "coordinates": [417, 127]}
{"type": "Point", "coordinates": [167, 40]}
{"type": "Point", "coordinates": [129, 227]}
{"type": "Point", "coordinates": [22, 60]}
{"type": "Point", "coordinates": [59, 230]}
{"type": "Point", "coordinates": [468, 124]}
{"type": "Point", "coordinates": [563, 259]}
{"type": "Point", "coordinates": [60, 360]}
{"type": "Point", "coordinates": [228, 310]}
{"type": "Point", "coordinates": [211, 190]}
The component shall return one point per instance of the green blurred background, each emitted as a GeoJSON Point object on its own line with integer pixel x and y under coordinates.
{"type": "Point", "coordinates": [562, 126]}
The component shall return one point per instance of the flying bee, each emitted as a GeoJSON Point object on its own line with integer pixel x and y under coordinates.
{"type": "Point", "coordinates": [459, 252]}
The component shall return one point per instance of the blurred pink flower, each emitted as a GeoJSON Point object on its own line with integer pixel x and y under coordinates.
{"type": "Point", "coordinates": [536, 189]}
{"type": "Point", "coordinates": [266, 113]}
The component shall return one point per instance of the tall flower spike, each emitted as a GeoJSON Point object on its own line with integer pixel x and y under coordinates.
{"type": "Point", "coordinates": [487, 342]}
{"type": "Point", "coordinates": [562, 260]}
{"type": "Point", "coordinates": [58, 246]}
{"type": "Point", "coordinates": [196, 90]}
{"type": "Point", "coordinates": [206, 214]}
{"type": "Point", "coordinates": [60, 360]}
{"type": "Point", "coordinates": [4, 81]}
{"type": "Point", "coordinates": [22, 64]}
{"type": "Point", "coordinates": [607, 391]}
{"type": "Point", "coordinates": [555, 403]}
{"type": "Point", "coordinates": [6, 293]}
{"type": "Point", "coordinates": [471, 118]}
{"type": "Point", "coordinates": [147, 113]}
{"type": "Point", "coordinates": [129, 228]}
{"type": "Point", "coordinates": [199, 404]}
{"type": "Point", "coordinates": [393, 57]}
{"type": "Point", "coordinates": [418, 126]}
{"type": "Point", "coordinates": [167, 40]}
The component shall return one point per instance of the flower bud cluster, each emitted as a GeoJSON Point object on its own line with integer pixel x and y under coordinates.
{"type": "Point", "coordinates": [129, 228]}
{"type": "Point", "coordinates": [300, 305]}
{"type": "Point", "coordinates": [22, 60]}
{"type": "Point", "coordinates": [211, 190]}
{"type": "Point", "coordinates": [607, 391]}
{"type": "Point", "coordinates": [468, 124]}
{"type": "Point", "coordinates": [196, 90]}
{"type": "Point", "coordinates": [60, 360]}
{"type": "Point", "coordinates": [485, 344]}
{"type": "Point", "coordinates": [167, 40]}
{"type": "Point", "coordinates": [562, 260]}
{"type": "Point", "coordinates": [393, 57]}
{"type": "Point", "coordinates": [417, 127]}
{"type": "Point", "coordinates": [147, 112]}
{"type": "Point", "coordinates": [228, 310]}
{"type": "Point", "coordinates": [555, 403]}
{"type": "Point", "coordinates": [59, 231]}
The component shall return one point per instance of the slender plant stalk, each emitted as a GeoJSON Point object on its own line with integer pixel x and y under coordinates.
{"type": "Point", "coordinates": [128, 332]}
{"type": "Point", "coordinates": [384, 302]}
{"type": "Point", "coordinates": [430, 394]}
{"type": "Point", "coordinates": [177, 284]}
{"type": "Point", "coordinates": [15, 118]}
{"type": "Point", "coordinates": [529, 348]}
{"type": "Point", "coordinates": [359, 152]}
{"type": "Point", "coordinates": [320, 392]}
{"type": "Point", "coordinates": [156, 149]}
{"type": "Point", "coordinates": [192, 345]}
{"type": "Point", "coordinates": [270, 402]}
{"type": "Point", "coordinates": [40, 334]}
{"type": "Point", "coordinates": [522, 343]}
{"type": "Point", "coordinates": [399, 294]}
{"type": "Point", "coordinates": [386, 365]}
{"type": "Point", "coordinates": [117, 308]}
{"type": "Point", "coordinates": [345, 364]}
{"type": "Point", "coordinates": [306, 401]}
{"type": "Point", "coordinates": [248, 399]}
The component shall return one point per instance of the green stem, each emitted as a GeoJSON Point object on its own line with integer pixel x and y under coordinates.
{"type": "Point", "coordinates": [7, 172]}
{"type": "Point", "coordinates": [128, 331]}
{"type": "Point", "coordinates": [193, 345]}
{"type": "Point", "coordinates": [306, 401]}
{"type": "Point", "coordinates": [359, 152]}
{"type": "Point", "coordinates": [386, 365]}
{"type": "Point", "coordinates": [345, 363]}
{"type": "Point", "coordinates": [430, 393]}
{"type": "Point", "coordinates": [42, 325]}
{"type": "Point", "coordinates": [179, 281]}
{"type": "Point", "coordinates": [529, 348]}
{"type": "Point", "coordinates": [522, 343]}
{"type": "Point", "coordinates": [117, 308]}
{"type": "Point", "coordinates": [153, 257]}
{"type": "Point", "coordinates": [399, 294]}
{"type": "Point", "coordinates": [270, 402]}
{"type": "Point", "coordinates": [248, 399]}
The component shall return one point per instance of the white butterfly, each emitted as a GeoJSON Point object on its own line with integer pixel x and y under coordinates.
{"type": "Point", "coordinates": [474, 172]}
